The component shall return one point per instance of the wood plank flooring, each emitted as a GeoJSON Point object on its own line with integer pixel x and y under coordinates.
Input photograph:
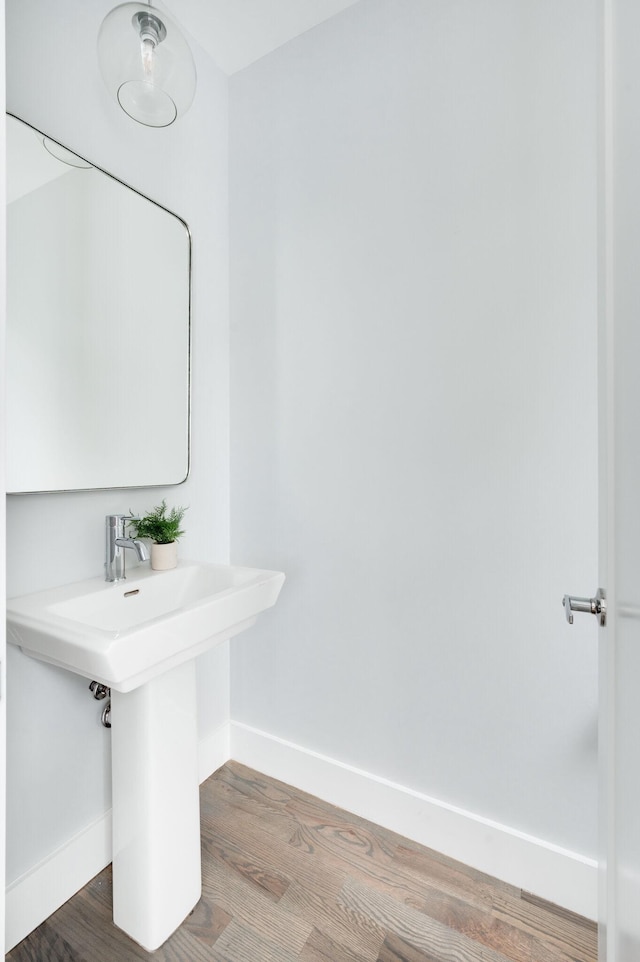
{"type": "Point", "coordinates": [289, 878]}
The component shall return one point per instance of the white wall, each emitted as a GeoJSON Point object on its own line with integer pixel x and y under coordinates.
{"type": "Point", "coordinates": [414, 411]}
{"type": "Point", "coordinates": [413, 295]}
{"type": "Point", "coordinates": [58, 754]}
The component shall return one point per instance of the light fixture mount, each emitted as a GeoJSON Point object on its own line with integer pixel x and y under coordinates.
{"type": "Point", "coordinates": [149, 27]}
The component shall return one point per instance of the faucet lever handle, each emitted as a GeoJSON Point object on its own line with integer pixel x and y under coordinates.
{"type": "Point", "coordinates": [119, 520]}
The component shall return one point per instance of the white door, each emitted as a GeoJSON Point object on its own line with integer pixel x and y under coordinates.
{"type": "Point", "coordinates": [3, 650]}
{"type": "Point", "coordinates": [620, 480]}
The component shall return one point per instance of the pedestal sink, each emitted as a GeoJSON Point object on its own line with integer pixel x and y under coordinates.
{"type": "Point", "coordinates": [140, 638]}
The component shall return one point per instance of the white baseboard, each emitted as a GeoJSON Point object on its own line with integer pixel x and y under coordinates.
{"type": "Point", "coordinates": [35, 895]}
{"type": "Point", "coordinates": [38, 893]}
{"type": "Point", "coordinates": [548, 871]}
{"type": "Point", "coordinates": [553, 873]}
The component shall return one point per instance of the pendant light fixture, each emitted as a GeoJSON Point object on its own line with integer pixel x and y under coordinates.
{"type": "Point", "coordinates": [146, 64]}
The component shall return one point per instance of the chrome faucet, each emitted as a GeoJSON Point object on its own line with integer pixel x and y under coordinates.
{"type": "Point", "coordinates": [116, 543]}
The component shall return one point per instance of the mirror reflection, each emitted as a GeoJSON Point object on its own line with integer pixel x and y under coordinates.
{"type": "Point", "coordinates": [98, 326]}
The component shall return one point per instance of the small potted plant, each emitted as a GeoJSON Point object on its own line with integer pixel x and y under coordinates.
{"type": "Point", "coordinates": [162, 527]}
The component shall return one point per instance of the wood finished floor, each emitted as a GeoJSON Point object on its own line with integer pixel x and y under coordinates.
{"type": "Point", "coordinates": [289, 878]}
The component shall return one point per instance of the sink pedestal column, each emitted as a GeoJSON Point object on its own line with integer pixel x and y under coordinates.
{"type": "Point", "coordinates": [156, 806]}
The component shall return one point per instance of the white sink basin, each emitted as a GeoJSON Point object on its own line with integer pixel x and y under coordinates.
{"type": "Point", "coordinates": [140, 637]}
{"type": "Point", "coordinates": [124, 634]}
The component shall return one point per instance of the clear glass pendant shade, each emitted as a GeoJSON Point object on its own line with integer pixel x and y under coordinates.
{"type": "Point", "coordinates": [146, 64]}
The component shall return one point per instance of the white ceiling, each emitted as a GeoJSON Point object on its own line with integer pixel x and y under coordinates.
{"type": "Point", "coordinates": [237, 32]}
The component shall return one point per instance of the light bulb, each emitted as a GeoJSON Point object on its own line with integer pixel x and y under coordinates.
{"type": "Point", "coordinates": [152, 31]}
{"type": "Point", "coordinates": [147, 46]}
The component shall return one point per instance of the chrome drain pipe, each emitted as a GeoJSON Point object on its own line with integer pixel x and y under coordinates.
{"type": "Point", "coordinates": [105, 717]}
{"type": "Point", "coordinates": [100, 692]}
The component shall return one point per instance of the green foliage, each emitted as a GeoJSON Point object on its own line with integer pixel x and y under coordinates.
{"type": "Point", "coordinates": [160, 526]}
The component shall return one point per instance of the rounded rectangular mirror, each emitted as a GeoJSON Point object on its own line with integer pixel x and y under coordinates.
{"type": "Point", "coordinates": [98, 326]}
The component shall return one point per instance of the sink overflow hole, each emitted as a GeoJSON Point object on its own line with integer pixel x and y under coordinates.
{"type": "Point", "coordinates": [136, 591]}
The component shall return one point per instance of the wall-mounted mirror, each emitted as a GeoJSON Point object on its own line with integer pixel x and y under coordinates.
{"type": "Point", "coordinates": [98, 326]}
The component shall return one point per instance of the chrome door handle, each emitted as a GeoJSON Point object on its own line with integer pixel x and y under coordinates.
{"type": "Point", "coordinates": [592, 606]}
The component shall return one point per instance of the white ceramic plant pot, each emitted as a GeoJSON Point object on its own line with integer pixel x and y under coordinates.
{"type": "Point", "coordinates": [164, 556]}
